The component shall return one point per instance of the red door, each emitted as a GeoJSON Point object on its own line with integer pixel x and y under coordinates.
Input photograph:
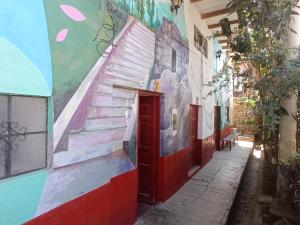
{"type": "Point", "coordinates": [148, 148]}
{"type": "Point", "coordinates": [193, 134]}
{"type": "Point", "coordinates": [217, 131]}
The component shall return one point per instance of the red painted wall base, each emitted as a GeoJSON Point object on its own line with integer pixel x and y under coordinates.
{"type": "Point", "coordinates": [114, 203]}
{"type": "Point", "coordinates": [207, 149]}
{"type": "Point", "coordinates": [173, 173]}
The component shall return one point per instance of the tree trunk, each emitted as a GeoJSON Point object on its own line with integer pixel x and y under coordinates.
{"type": "Point", "coordinates": [288, 130]}
{"type": "Point", "coordinates": [288, 124]}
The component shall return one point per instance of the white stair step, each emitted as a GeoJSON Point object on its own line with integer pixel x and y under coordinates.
{"type": "Point", "coordinates": [122, 102]}
{"type": "Point", "coordinates": [105, 123]}
{"type": "Point", "coordinates": [123, 57]}
{"type": "Point", "coordinates": [129, 51]}
{"type": "Point", "coordinates": [122, 92]}
{"type": "Point", "coordinates": [141, 52]}
{"type": "Point", "coordinates": [96, 112]}
{"type": "Point", "coordinates": [138, 31]}
{"type": "Point", "coordinates": [141, 35]}
{"type": "Point", "coordinates": [98, 98]}
{"type": "Point", "coordinates": [141, 40]}
{"type": "Point", "coordinates": [101, 100]}
{"type": "Point", "coordinates": [121, 111]}
{"type": "Point", "coordinates": [114, 79]}
{"type": "Point", "coordinates": [147, 47]}
{"type": "Point", "coordinates": [130, 64]}
{"type": "Point", "coordinates": [135, 58]}
{"type": "Point", "coordinates": [132, 72]}
{"type": "Point", "coordinates": [70, 157]}
{"type": "Point", "coordinates": [104, 88]}
{"type": "Point", "coordinates": [88, 138]}
{"type": "Point", "coordinates": [115, 75]}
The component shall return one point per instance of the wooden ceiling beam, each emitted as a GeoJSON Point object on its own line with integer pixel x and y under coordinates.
{"type": "Point", "coordinates": [215, 13]}
{"type": "Point", "coordinates": [223, 41]}
{"type": "Point", "coordinates": [192, 1]}
{"type": "Point", "coordinates": [216, 25]}
{"type": "Point", "coordinates": [219, 34]}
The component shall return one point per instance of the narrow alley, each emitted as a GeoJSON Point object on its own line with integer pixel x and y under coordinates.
{"type": "Point", "coordinates": [207, 197]}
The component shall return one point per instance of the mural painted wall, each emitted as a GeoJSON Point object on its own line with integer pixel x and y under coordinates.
{"type": "Point", "coordinates": [79, 33]}
{"type": "Point", "coordinates": [95, 45]}
{"type": "Point", "coordinates": [25, 69]}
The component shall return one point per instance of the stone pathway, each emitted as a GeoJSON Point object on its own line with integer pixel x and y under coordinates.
{"type": "Point", "coordinates": [205, 199]}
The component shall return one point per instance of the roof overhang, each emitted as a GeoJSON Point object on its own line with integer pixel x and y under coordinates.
{"type": "Point", "coordinates": [212, 11]}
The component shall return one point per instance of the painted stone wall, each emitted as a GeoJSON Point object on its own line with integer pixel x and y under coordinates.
{"type": "Point", "coordinates": [170, 70]}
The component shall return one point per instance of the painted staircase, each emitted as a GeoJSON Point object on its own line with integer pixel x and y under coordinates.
{"type": "Point", "coordinates": [110, 109]}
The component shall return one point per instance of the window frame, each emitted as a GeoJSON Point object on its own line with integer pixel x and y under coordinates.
{"type": "Point", "coordinates": [8, 161]}
{"type": "Point", "coordinates": [200, 42]}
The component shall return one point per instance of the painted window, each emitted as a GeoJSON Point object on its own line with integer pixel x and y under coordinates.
{"type": "Point", "coordinates": [23, 134]}
{"type": "Point", "coordinates": [200, 42]}
{"type": "Point", "coordinates": [174, 60]}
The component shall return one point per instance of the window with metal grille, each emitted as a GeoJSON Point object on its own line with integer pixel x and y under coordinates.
{"type": "Point", "coordinates": [200, 42]}
{"type": "Point", "coordinates": [23, 134]}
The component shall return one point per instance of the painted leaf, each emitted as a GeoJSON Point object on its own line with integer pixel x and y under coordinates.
{"type": "Point", "coordinates": [62, 34]}
{"type": "Point", "coordinates": [72, 12]}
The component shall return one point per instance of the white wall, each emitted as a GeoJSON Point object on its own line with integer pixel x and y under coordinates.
{"type": "Point", "coordinates": [200, 71]}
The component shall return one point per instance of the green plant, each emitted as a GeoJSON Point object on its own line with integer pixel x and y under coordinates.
{"type": "Point", "coordinates": [269, 69]}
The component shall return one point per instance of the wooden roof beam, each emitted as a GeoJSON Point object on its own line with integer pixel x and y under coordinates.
{"type": "Point", "coordinates": [223, 41]}
{"type": "Point", "coordinates": [216, 25]}
{"type": "Point", "coordinates": [214, 13]}
{"type": "Point", "coordinates": [192, 1]}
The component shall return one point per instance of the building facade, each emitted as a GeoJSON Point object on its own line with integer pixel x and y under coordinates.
{"type": "Point", "coordinates": [103, 104]}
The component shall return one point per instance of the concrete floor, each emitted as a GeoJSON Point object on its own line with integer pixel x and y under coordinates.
{"type": "Point", "coordinates": [205, 199]}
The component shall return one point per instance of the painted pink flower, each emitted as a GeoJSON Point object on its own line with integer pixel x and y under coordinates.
{"type": "Point", "coordinates": [62, 34]}
{"type": "Point", "coordinates": [73, 12]}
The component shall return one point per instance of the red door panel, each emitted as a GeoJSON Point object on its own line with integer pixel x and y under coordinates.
{"type": "Point", "coordinates": [193, 134]}
{"type": "Point", "coordinates": [217, 132]}
{"type": "Point", "coordinates": [147, 150]}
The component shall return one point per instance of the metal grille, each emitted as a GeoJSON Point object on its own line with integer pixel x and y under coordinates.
{"type": "Point", "coordinates": [23, 134]}
{"type": "Point", "coordinates": [200, 42]}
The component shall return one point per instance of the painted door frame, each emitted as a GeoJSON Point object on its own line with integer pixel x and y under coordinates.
{"type": "Point", "coordinates": [156, 96]}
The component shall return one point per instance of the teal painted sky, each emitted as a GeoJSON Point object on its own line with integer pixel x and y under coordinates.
{"type": "Point", "coordinates": [18, 74]}
{"type": "Point", "coordinates": [161, 10]}
{"type": "Point", "coordinates": [19, 197]}
{"type": "Point", "coordinates": [23, 25]}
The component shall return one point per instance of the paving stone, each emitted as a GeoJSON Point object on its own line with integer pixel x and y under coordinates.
{"type": "Point", "coordinates": [205, 199]}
